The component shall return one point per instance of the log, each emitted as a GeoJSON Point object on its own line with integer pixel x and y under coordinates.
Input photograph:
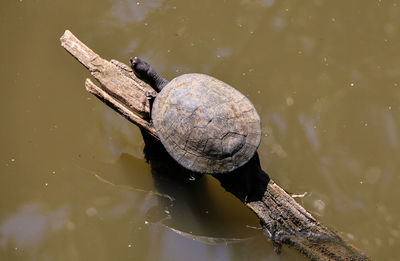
{"type": "Point", "coordinates": [284, 221]}
{"type": "Point", "coordinates": [121, 109]}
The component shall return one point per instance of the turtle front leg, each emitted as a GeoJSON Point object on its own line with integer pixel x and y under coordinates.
{"type": "Point", "coordinates": [150, 96]}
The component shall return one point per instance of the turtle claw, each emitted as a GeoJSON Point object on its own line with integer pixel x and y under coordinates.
{"type": "Point", "coordinates": [151, 95]}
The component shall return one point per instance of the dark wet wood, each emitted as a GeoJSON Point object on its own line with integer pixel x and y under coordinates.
{"type": "Point", "coordinates": [284, 221]}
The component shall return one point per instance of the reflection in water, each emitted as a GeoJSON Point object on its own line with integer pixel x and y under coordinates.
{"type": "Point", "coordinates": [222, 52]}
{"type": "Point", "coordinates": [267, 3]}
{"type": "Point", "coordinates": [129, 11]}
{"type": "Point", "coordinates": [391, 129]}
{"type": "Point", "coordinates": [280, 123]}
{"type": "Point", "coordinates": [309, 126]}
{"type": "Point", "coordinates": [264, 3]}
{"type": "Point", "coordinates": [278, 23]}
{"type": "Point", "coordinates": [169, 243]}
{"type": "Point", "coordinates": [188, 188]}
{"type": "Point", "coordinates": [181, 203]}
{"type": "Point", "coordinates": [184, 213]}
{"type": "Point", "coordinates": [30, 226]}
{"type": "Point", "coordinates": [247, 183]}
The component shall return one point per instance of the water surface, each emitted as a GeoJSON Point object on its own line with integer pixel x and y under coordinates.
{"type": "Point", "coordinates": [323, 75]}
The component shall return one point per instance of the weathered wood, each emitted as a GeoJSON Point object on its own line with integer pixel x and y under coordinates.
{"type": "Point", "coordinates": [114, 79]}
{"type": "Point", "coordinates": [113, 103]}
{"type": "Point", "coordinates": [287, 222]}
{"type": "Point", "coordinates": [284, 221]}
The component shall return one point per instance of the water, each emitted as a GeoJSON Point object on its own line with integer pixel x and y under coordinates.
{"type": "Point", "coordinates": [323, 75]}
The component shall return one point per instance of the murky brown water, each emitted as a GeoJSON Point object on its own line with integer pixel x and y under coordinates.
{"type": "Point", "coordinates": [323, 75]}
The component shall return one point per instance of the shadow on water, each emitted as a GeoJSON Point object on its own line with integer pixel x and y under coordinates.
{"type": "Point", "coordinates": [248, 183]}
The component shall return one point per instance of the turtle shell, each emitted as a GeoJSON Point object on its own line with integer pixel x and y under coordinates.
{"type": "Point", "coordinates": [206, 125]}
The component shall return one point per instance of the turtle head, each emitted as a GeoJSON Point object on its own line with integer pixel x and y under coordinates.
{"type": "Point", "coordinates": [146, 73]}
{"type": "Point", "coordinates": [140, 68]}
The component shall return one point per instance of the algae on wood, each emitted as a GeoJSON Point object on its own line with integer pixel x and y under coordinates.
{"type": "Point", "coordinates": [284, 221]}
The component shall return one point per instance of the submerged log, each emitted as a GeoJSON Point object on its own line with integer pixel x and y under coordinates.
{"type": "Point", "coordinates": [283, 220]}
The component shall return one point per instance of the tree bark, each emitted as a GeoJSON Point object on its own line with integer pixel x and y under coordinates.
{"type": "Point", "coordinates": [283, 220]}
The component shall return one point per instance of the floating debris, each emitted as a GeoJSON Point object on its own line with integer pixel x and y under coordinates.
{"type": "Point", "coordinates": [101, 179]}
{"type": "Point", "coordinates": [208, 240]}
{"type": "Point", "coordinates": [90, 212]}
{"type": "Point", "coordinates": [299, 195]}
{"type": "Point", "coordinates": [319, 205]}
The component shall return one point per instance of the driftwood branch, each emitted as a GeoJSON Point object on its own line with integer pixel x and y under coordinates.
{"type": "Point", "coordinates": [124, 111]}
{"type": "Point", "coordinates": [282, 218]}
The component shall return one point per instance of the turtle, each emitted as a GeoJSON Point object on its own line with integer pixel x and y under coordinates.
{"type": "Point", "coordinates": [206, 125]}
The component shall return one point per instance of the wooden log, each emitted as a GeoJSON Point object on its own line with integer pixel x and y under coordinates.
{"type": "Point", "coordinates": [284, 221]}
{"type": "Point", "coordinates": [124, 111]}
{"type": "Point", "coordinates": [112, 77]}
